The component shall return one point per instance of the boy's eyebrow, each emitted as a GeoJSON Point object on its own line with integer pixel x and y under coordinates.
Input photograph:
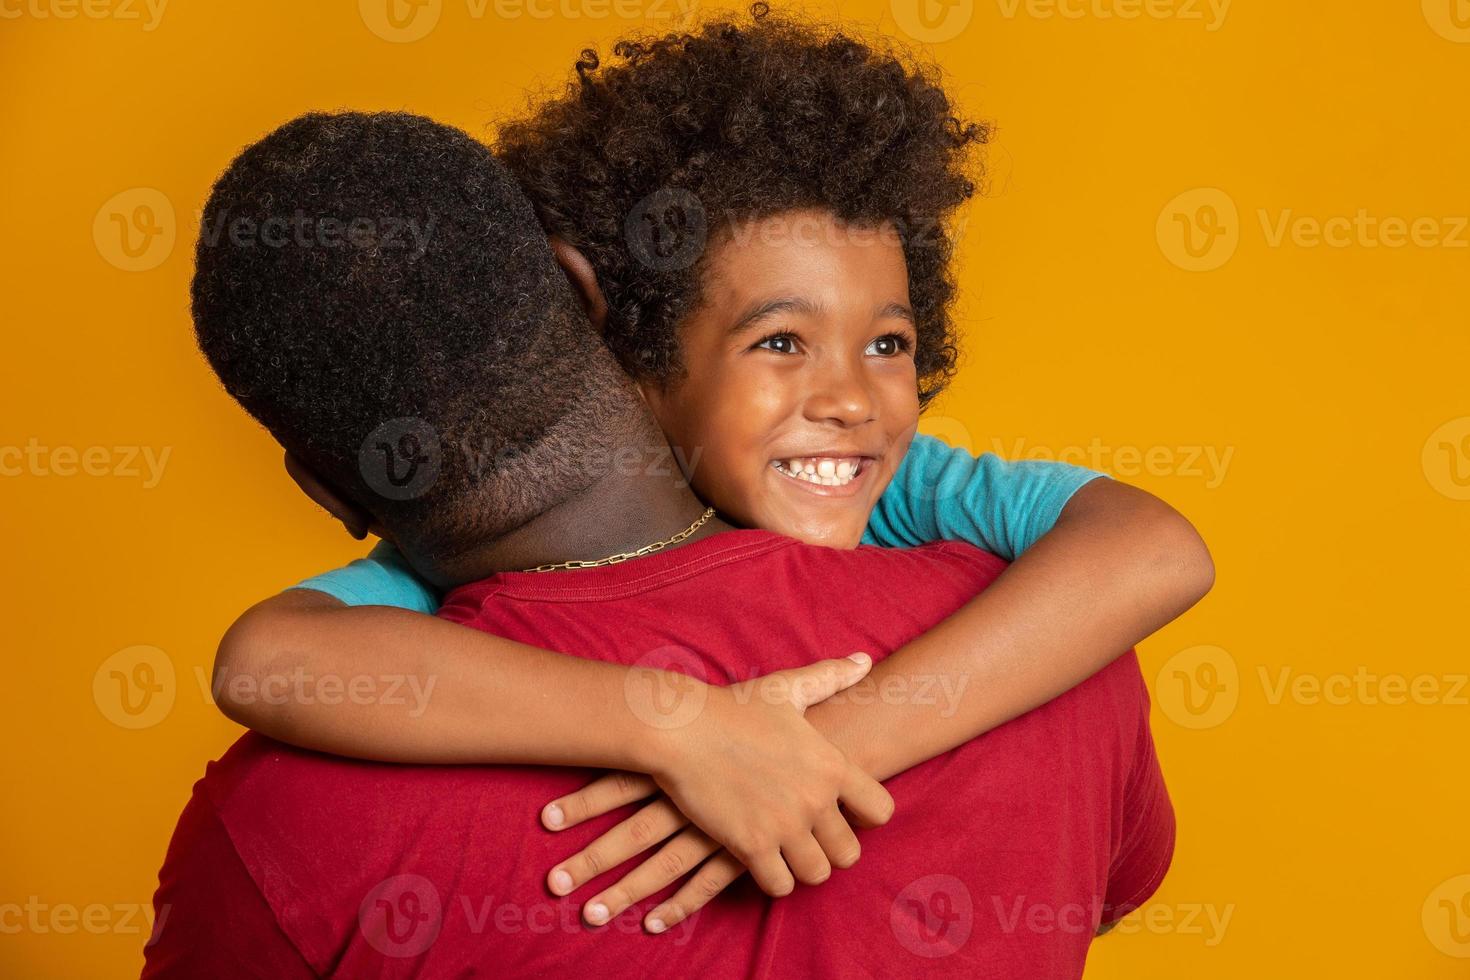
{"type": "Point", "coordinates": [896, 311]}
{"type": "Point", "coordinates": [765, 308]}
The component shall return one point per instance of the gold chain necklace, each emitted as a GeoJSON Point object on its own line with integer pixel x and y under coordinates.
{"type": "Point", "coordinates": [647, 549]}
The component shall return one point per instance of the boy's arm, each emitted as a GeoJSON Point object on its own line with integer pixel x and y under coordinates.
{"type": "Point", "coordinates": [390, 684]}
{"type": "Point", "coordinates": [1118, 565]}
{"type": "Point", "coordinates": [385, 683]}
{"type": "Point", "coordinates": [427, 690]}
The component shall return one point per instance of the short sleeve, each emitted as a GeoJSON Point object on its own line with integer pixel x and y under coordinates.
{"type": "Point", "coordinates": [941, 493]}
{"type": "Point", "coordinates": [210, 918]}
{"type": "Point", "coordinates": [383, 578]}
{"type": "Point", "coordinates": [1146, 846]}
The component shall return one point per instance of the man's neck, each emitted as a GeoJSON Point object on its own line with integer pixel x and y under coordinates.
{"type": "Point", "coordinates": [619, 513]}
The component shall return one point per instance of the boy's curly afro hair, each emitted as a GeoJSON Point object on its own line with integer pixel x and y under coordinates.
{"type": "Point", "coordinates": [645, 159]}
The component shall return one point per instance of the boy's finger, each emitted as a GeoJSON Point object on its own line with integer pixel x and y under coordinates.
{"type": "Point", "coordinates": [674, 860]}
{"type": "Point", "coordinates": [653, 823]}
{"type": "Point", "coordinates": [713, 877]}
{"type": "Point", "coordinates": [805, 859]}
{"type": "Point", "coordinates": [596, 798]}
{"type": "Point", "coordinates": [865, 799]}
{"type": "Point", "coordinates": [838, 841]}
{"type": "Point", "coordinates": [817, 682]}
{"type": "Point", "coordinates": [770, 872]}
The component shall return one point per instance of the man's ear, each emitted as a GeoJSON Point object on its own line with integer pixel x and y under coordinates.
{"type": "Point", "coordinates": [580, 274]}
{"type": "Point", "coordinates": [357, 521]}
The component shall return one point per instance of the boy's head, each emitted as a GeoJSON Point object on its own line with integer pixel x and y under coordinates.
{"type": "Point", "coordinates": [376, 290]}
{"type": "Point", "coordinates": [765, 207]}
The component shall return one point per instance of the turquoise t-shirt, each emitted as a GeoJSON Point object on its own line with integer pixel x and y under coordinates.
{"type": "Point", "coordinates": [939, 493]}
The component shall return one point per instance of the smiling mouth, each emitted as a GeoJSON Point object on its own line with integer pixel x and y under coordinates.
{"type": "Point", "coordinates": [823, 471]}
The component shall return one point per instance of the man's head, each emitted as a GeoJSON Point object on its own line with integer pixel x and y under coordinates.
{"type": "Point", "coordinates": [376, 290]}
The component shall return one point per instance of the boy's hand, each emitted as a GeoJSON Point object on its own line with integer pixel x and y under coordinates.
{"type": "Point", "coordinates": [752, 773]}
{"type": "Point", "coordinates": [652, 823]}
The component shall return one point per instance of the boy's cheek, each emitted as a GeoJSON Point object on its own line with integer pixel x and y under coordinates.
{"type": "Point", "coordinates": [903, 441]}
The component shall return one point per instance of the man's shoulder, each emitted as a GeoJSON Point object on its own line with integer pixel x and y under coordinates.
{"type": "Point", "coordinates": [316, 833]}
{"type": "Point", "coordinates": [937, 552]}
{"type": "Point", "coordinates": [736, 560]}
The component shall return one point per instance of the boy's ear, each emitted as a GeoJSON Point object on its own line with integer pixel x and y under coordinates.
{"type": "Point", "coordinates": [357, 521]}
{"type": "Point", "coordinates": [580, 274]}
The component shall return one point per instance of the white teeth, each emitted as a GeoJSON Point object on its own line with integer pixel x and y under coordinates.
{"type": "Point", "coordinates": [825, 472]}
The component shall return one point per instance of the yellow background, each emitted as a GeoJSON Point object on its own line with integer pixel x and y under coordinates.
{"type": "Point", "coordinates": [1331, 834]}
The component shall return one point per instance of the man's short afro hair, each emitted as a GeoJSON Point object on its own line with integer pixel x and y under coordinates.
{"type": "Point", "coordinates": [690, 132]}
{"type": "Point", "coordinates": [372, 284]}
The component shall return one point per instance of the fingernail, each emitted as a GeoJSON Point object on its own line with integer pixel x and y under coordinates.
{"type": "Point", "coordinates": [561, 882]}
{"type": "Point", "coordinates": [597, 913]}
{"type": "Point", "coordinates": [553, 816]}
{"type": "Point", "coordinates": [656, 926]}
{"type": "Point", "coordinates": [861, 659]}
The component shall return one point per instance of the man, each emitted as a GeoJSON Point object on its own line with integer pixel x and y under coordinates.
{"type": "Point", "coordinates": [1003, 856]}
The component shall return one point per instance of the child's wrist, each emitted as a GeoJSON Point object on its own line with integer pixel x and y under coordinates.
{"type": "Point", "coordinates": [663, 726]}
{"type": "Point", "coordinates": [838, 723]}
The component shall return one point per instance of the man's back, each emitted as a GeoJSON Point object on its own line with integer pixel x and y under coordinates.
{"type": "Point", "coordinates": [999, 860]}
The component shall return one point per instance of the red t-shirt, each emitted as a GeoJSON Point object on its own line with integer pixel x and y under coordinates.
{"type": "Point", "coordinates": [1000, 860]}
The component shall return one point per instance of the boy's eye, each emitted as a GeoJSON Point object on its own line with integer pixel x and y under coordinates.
{"type": "Point", "coordinates": [889, 345]}
{"type": "Point", "coordinates": [781, 343]}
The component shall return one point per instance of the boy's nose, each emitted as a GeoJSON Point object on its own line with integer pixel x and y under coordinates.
{"type": "Point", "coordinates": [841, 396]}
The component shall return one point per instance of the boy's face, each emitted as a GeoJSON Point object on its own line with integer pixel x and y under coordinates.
{"type": "Point", "coordinates": [800, 397]}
